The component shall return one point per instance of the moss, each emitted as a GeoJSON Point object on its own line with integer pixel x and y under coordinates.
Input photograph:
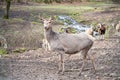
{"type": "Point", "coordinates": [33, 22]}
{"type": "Point", "coordinates": [3, 51]}
{"type": "Point", "coordinates": [19, 50]}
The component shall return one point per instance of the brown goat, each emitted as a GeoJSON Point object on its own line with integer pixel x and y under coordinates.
{"type": "Point", "coordinates": [101, 29]}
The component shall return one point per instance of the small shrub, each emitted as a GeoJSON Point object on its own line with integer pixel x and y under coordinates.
{"type": "Point", "coordinates": [70, 30]}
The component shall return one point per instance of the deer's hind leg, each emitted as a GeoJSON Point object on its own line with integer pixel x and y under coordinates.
{"type": "Point", "coordinates": [85, 54]}
{"type": "Point", "coordinates": [92, 60]}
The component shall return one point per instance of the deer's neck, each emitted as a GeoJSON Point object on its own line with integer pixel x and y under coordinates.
{"type": "Point", "coordinates": [49, 34]}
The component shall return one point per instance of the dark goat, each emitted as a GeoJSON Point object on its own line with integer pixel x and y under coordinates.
{"type": "Point", "coordinates": [101, 29]}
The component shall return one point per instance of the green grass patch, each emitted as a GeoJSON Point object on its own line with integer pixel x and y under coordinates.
{"type": "Point", "coordinates": [70, 30]}
{"type": "Point", "coordinates": [3, 51]}
{"type": "Point", "coordinates": [19, 50]}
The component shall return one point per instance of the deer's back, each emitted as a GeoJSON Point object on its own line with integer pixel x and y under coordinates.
{"type": "Point", "coordinates": [72, 43]}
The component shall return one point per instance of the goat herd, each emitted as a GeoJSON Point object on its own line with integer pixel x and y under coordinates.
{"type": "Point", "coordinates": [66, 43]}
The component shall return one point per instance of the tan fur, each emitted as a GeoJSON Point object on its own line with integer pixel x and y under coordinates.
{"type": "Point", "coordinates": [3, 42]}
{"type": "Point", "coordinates": [45, 45]}
{"type": "Point", "coordinates": [118, 27]}
{"type": "Point", "coordinates": [89, 31]}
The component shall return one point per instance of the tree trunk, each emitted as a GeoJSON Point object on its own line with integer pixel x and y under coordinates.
{"type": "Point", "coordinates": [6, 14]}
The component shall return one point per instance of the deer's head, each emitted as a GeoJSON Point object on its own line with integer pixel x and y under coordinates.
{"type": "Point", "coordinates": [47, 23]}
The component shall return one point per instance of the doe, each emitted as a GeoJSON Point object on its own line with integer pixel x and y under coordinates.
{"type": "Point", "coordinates": [67, 44]}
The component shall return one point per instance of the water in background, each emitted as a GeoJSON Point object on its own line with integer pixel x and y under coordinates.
{"type": "Point", "coordinates": [69, 22]}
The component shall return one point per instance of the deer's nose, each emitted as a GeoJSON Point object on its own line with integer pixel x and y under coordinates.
{"type": "Point", "coordinates": [46, 28]}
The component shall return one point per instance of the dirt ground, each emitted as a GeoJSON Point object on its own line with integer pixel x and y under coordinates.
{"type": "Point", "coordinates": [42, 65]}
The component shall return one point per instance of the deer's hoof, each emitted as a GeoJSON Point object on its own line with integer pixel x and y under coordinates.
{"type": "Point", "coordinates": [62, 72]}
{"type": "Point", "coordinates": [59, 71]}
{"type": "Point", "coordinates": [79, 74]}
{"type": "Point", "coordinates": [94, 72]}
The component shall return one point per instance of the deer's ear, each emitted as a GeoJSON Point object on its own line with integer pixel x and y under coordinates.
{"type": "Point", "coordinates": [51, 18]}
{"type": "Point", "coordinates": [42, 19]}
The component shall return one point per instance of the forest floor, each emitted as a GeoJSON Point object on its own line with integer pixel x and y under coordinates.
{"type": "Point", "coordinates": [42, 65]}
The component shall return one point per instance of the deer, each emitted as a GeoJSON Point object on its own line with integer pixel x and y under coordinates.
{"type": "Point", "coordinates": [64, 43]}
{"type": "Point", "coordinates": [90, 31]}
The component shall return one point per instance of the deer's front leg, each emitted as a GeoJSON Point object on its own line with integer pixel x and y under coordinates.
{"type": "Point", "coordinates": [61, 63]}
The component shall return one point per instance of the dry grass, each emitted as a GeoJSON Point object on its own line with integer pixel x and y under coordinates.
{"type": "Point", "coordinates": [21, 33]}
